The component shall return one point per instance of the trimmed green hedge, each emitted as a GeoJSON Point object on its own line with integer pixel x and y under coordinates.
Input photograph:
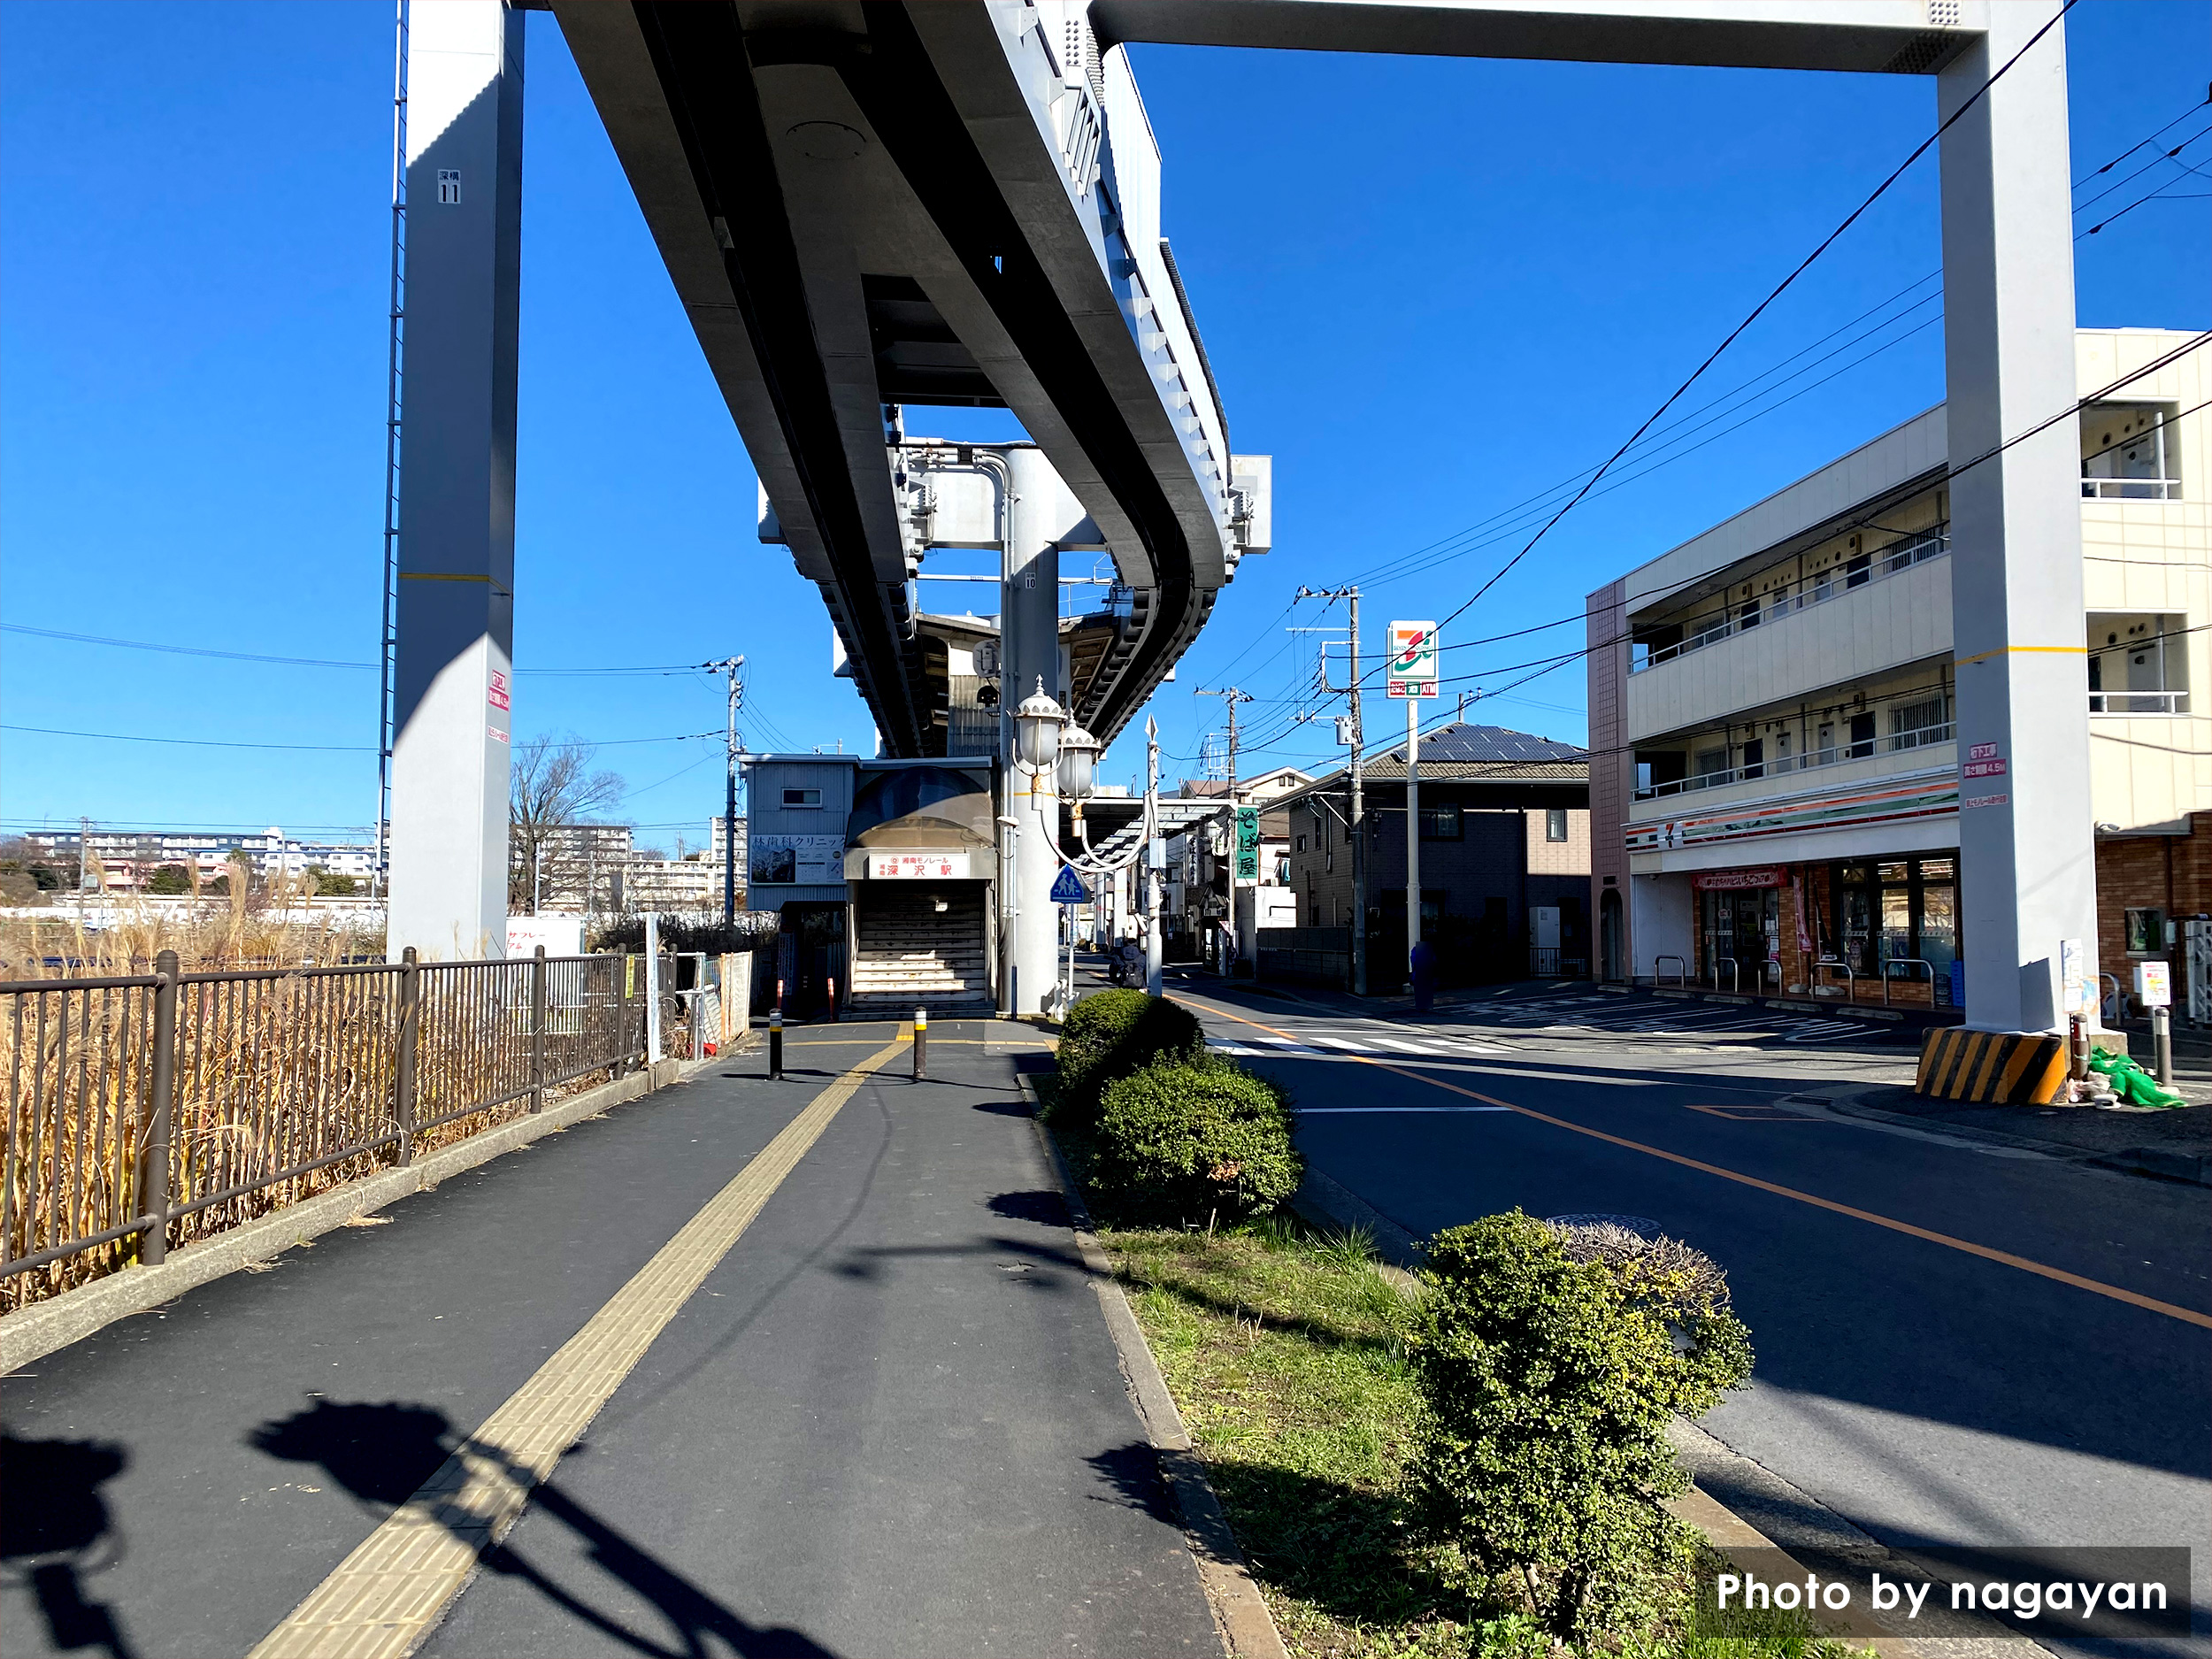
{"type": "Point", "coordinates": [1194, 1139]}
{"type": "Point", "coordinates": [1549, 1382]}
{"type": "Point", "coordinates": [1110, 1034]}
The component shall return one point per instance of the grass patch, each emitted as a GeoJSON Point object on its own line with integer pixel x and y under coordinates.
{"type": "Point", "coordinates": [1284, 1351]}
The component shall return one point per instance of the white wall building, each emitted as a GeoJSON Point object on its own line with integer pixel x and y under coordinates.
{"type": "Point", "coordinates": [1775, 780]}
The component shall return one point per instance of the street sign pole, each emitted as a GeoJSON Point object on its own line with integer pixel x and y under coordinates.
{"type": "Point", "coordinates": [1067, 892]}
{"type": "Point", "coordinates": [1413, 674]}
{"type": "Point", "coordinates": [1413, 828]}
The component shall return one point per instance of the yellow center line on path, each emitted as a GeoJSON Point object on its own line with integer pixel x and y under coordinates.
{"type": "Point", "coordinates": [384, 1597]}
{"type": "Point", "coordinates": [2187, 1315]}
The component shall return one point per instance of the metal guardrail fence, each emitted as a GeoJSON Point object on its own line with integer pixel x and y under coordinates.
{"type": "Point", "coordinates": [147, 1110]}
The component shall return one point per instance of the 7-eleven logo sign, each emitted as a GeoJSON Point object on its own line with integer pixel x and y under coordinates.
{"type": "Point", "coordinates": [1413, 661]}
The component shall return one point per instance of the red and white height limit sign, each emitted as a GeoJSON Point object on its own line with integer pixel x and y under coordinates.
{"type": "Point", "coordinates": [1413, 659]}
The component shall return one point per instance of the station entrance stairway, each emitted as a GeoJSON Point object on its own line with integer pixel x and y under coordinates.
{"type": "Point", "coordinates": [919, 946]}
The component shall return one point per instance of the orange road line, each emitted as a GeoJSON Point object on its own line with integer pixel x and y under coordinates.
{"type": "Point", "coordinates": [2005, 1257]}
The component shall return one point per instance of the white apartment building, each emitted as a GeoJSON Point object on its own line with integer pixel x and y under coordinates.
{"type": "Point", "coordinates": [1775, 782]}
{"type": "Point", "coordinates": [127, 858]}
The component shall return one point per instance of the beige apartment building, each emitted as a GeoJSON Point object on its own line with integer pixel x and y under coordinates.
{"type": "Point", "coordinates": [1774, 780]}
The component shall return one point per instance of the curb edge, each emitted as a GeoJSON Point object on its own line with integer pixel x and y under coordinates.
{"type": "Point", "coordinates": [1241, 1614]}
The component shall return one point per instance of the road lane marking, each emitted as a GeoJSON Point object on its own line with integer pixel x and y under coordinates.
{"type": "Point", "coordinates": [384, 1596]}
{"type": "Point", "coordinates": [1377, 1112]}
{"type": "Point", "coordinates": [2188, 1316]}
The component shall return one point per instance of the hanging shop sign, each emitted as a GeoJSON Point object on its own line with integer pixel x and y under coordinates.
{"type": "Point", "coordinates": [1734, 880]}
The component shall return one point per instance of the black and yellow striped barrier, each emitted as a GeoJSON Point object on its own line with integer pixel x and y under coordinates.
{"type": "Point", "coordinates": [1991, 1068]}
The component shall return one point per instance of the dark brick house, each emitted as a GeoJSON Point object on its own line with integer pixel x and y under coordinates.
{"type": "Point", "coordinates": [1505, 860]}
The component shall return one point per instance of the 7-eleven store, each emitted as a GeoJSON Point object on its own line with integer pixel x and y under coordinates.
{"type": "Point", "coordinates": [1824, 894]}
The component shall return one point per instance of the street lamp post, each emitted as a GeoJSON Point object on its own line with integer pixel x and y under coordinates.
{"type": "Point", "coordinates": [1078, 773]}
{"type": "Point", "coordinates": [1033, 802]}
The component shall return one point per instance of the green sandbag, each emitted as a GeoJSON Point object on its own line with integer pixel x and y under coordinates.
{"type": "Point", "coordinates": [2134, 1085]}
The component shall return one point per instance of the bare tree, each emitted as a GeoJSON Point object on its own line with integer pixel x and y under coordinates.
{"type": "Point", "coordinates": [551, 786]}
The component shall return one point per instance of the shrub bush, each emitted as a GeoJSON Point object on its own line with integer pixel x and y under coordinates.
{"type": "Point", "coordinates": [1188, 1139]}
{"type": "Point", "coordinates": [1110, 1034]}
{"type": "Point", "coordinates": [1549, 1382]}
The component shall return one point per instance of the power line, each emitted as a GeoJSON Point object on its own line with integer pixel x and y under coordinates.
{"type": "Point", "coordinates": [2159, 195]}
{"type": "Point", "coordinates": [2131, 377]}
{"type": "Point", "coordinates": [178, 650]}
{"type": "Point", "coordinates": [2172, 155]}
{"type": "Point", "coordinates": [197, 743]}
{"type": "Point", "coordinates": [1543, 665]}
{"type": "Point", "coordinates": [324, 748]}
{"type": "Point", "coordinates": [2139, 143]}
{"type": "Point", "coordinates": [1406, 565]}
{"type": "Point", "coordinates": [293, 662]}
{"type": "Point", "coordinates": [1759, 309]}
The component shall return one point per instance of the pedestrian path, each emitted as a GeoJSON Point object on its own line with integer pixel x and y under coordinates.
{"type": "Point", "coordinates": [802, 1367]}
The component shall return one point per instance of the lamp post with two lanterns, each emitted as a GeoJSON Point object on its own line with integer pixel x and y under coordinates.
{"type": "Point", "coordinates": [1054, 757]}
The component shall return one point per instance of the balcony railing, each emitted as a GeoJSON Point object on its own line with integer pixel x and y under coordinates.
{"type": "Point", "coordinates": [2139, 703]}
{"type": "Point", "coordinates": [1818, 590]}
{"type": "Point", "coordinates": [2131, 489]}
{"type": "Point", "coordinates": [1919, 737]}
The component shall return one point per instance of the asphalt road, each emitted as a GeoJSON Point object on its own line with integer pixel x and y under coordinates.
{"type": "Point", "coordinates": [1929, 1394]}
{"type": "Point", "coordinates": [891, 1420]}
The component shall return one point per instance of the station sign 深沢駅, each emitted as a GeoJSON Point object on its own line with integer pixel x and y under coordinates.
{"type": "Point", "coordinates": [917, 866]}
{"type": "Point", "coordinates": [1414, 667]}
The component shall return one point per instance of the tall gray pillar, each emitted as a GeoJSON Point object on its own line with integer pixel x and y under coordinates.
{"type": "Point", "coordinates": [1029, 642]}
{"type": "Point", "coordinates": [2027, 858]}
{"type": "Point", "coordinates": [457, 517]}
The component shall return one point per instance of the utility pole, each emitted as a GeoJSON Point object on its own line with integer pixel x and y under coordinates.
{"type": "Point", "coordinates": [1359, 815]}
{"type": "Point", "coordinates": [1152, 873]}
{"type": "Point", "coordinates": [1357, 823]}
{"type": "Point", "coordinates": [1413, 829]}
{"type": "Point", "coordinates": [1232, 696]}
{"type": "Point", "coordinates": [1411, 673]}
{"type": "Point", "coordinates": [734, 668]}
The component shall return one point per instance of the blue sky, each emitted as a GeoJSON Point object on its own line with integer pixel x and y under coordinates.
{"type": "Point", "coordinates": [1432, 290]}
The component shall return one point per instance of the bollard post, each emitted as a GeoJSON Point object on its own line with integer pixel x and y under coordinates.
{"type": "Point", "coordinates": [622, 1013]}
{"type": "Point", "coordinates": [652, 989]}
{"type": "Point", "coordinates": [2162, 1031]}
{"type": "Point", "coordinates": [775, 1043]}
{"type": "Point", "coordinates": [921, 1044]}
{"type": "Point", "coordinates": [537, 1030]}
{"type": "Point", "coordinates": [403, 1065]}
{"type": "Point", "coordinates": [153, 1170]}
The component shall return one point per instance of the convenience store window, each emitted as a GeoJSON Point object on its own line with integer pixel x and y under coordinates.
{"type": "Point", "coordinates": [1898, 911]}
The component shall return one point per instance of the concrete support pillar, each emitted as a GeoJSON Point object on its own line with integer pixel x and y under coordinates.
{"type": "Point", "coordinates": [457, 543]}
{"type": "Point", "coordinates": [1029, 642]}
{"type": "Point", "coordinates": [2026, 854]}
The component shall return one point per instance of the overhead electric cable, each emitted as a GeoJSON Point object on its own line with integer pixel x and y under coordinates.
{"type": "Point", "coordinates": [1759, 309]}
{"type": "Point", "coordinates": [2162, 194]}
{"type": "Point", "coordinates": [288, 662]}
{"type": "Point", "coordinates": [2152, 139]}
{"type": "Point", "coordinates": [346, 748]}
